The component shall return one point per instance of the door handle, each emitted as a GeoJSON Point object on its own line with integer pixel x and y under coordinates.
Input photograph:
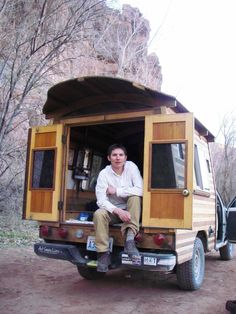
{"type": "Point", "coordinates": [185, 192]}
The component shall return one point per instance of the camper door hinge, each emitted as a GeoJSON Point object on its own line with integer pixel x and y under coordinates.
{"type": "Point", "coordinates": [63, 139]}
{"type": "Point", "coordinates": [60, 205]}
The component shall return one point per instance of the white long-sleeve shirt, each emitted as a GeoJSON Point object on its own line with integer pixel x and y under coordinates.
{"type": "Point", "coordinates": [127, 184]}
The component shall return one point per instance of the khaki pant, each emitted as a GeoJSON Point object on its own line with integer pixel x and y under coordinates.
{"type": "Point", "coordinates": [102, 219]}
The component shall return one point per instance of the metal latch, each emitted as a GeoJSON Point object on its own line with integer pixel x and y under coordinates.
{"type": "Point", "coordinates": [63, 139]}
{"type": "Point", "coordinates": [60, 205]}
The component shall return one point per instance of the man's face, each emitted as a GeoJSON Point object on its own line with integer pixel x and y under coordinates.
{"type": "Point", "coordinates": [117, 158]}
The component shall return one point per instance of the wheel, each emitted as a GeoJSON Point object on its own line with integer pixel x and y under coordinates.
{"type": "Point", "coordinates": [90, 273]}
{"type": "Point", "coordinates": [227, 252]}
{"type": "Point", "coordinates": [190, 274]}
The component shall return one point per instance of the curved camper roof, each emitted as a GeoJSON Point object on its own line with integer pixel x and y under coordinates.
{"type": "Point", "coordinates": [94, 95]}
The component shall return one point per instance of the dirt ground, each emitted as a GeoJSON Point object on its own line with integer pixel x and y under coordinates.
{"type": "Point", "coordinates": [36, 285]}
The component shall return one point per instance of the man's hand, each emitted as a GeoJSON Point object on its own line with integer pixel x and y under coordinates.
{"type": "Point", "coordinates": [111, 190]}
{"type": "Point", "coordinates": [122, 214]}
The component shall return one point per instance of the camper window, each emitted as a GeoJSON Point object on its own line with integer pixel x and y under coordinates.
{"type": "Point", "coordinates": [201, 169]}
{"type": "Point", "coordinates": [168, 166]}
{"type": "Point", "coordinates": [43, 169]}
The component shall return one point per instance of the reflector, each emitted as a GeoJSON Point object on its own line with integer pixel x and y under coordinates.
{"type": "Point", "coordinates": [44, 231]}
{"type": "Point", "coordinates": [62, 232]}
{"type": "Point", "coordinates": [138, 237]}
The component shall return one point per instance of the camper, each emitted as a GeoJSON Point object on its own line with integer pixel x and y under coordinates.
{"type": "Point", "coordinates": [182, 217]}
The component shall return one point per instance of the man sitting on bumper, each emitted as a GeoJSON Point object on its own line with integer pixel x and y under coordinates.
{"type": "Point", "coordinates": [119, 189]}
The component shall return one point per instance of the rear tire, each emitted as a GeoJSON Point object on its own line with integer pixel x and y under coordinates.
{"type": "Point", "coordinates": [227, 252]}
{"type": "Point", "coordinates": [90, 273]}
{"type": "Point", "coordinates": [190, 274]}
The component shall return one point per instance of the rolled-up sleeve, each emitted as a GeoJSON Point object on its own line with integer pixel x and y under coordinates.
{"type": "Point", "coordinates": [134, 186]}
{"type": "Point", "coordinates": [101, 193]}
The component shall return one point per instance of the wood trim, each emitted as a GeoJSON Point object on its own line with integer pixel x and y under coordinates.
{"type": "Point", "coordinates": [157, 230]}
{"type": "Point", "coordinates": [64, 171]}
{"type": "Point", "coordinates": [130, 116]}
{"type": "Point", "coordinates": [86, 120]}
{"type": "Point", "coordinates": [114, 117]}
{"type": "Point", "coordinates": [48, 223]}
{"type": "Point", "coordinates": [26, 174]}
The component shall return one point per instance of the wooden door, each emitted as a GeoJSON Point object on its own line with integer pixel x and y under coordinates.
{"type": "Point", "coordinates": [44, 173]}
{"type": "Point", "coordinates": [168, 171]}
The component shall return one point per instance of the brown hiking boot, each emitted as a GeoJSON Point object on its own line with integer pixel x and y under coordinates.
{"type": "Point", "coordinates": [130, 249]}
{"type": "Point", "coordinates": [103, 261]}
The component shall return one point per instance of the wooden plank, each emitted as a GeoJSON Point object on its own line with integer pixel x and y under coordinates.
{"type": "Point", "coordinates": [115, 117]}
{"type": "Point", "coordinates": [169, 130]}
{"type": "Point", "coordinates": [130, 116]}
{"type": "Point", "coordinates": [41, 201]}
{"type": "Point", "coordinates": [47, 139]}
{"type": "Point", "coordinates": [81, 120]}
{"type": "Point", "coordinates": [167, 207]}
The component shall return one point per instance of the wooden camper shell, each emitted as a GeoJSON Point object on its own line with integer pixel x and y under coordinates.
{"type": "Point", "coordinates": [99, 100]}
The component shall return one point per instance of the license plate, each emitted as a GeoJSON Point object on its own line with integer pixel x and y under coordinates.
{"type": "Point", "coordinates": [91, 246]}
{"type": "Point", "coordinates": [150, 261]}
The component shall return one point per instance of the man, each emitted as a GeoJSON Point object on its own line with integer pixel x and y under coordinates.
{"type": "Point", "coordinates": [119, 189]}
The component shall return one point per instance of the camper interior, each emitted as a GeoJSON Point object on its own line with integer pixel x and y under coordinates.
{"type": "Point", "coordinates": [88, 155]}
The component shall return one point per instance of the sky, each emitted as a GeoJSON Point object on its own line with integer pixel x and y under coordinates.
{"type": "Point", "coordinates": [195, 43]}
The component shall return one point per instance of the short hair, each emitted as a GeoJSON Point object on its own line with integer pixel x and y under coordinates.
{"type": "Point", "coordinates": [115, 146]}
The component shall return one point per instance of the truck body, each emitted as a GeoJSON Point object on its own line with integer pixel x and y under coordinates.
{"type": "Point", "coordinates": [182, 218]}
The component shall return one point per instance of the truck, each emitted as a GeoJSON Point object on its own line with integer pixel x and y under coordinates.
{"type": "Point", "coordinates": [183, 216]}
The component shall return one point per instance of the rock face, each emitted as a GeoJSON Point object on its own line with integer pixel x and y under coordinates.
{"type": "Point", "coordinates": [117, 45]}
{"type": "Point", "coordinates": [45, 42]}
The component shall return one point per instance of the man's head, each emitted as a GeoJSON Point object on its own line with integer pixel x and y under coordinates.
{"type": "Point", "coordinates": [115, 146]}
{"type": "Point", "coordinates": [117, 155]}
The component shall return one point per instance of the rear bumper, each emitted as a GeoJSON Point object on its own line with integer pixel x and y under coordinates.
{"type": "Point", "coordinates": [146, 261]}
{"type": "Point", "coordinates": [150, 261]}
{"type": "Point", "coordinates": [64, 252]}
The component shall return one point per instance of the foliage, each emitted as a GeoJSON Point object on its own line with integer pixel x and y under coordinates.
{"type": "Point", "coordinates": [41, 43]}
{"type": "Point", "coordinates": [224, 158]}
{"type": "Point", "coordinates": [32, 41]}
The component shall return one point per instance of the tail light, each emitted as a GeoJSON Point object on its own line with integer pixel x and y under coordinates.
{"type": "Point", "coordinates": [160, 239]}
{"type": "Point", "coordinates": [45, 231]}
{"type": "Point", "coordinates": [139, 237]}
{"type": "Point", "coordinates": [63, 233]}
